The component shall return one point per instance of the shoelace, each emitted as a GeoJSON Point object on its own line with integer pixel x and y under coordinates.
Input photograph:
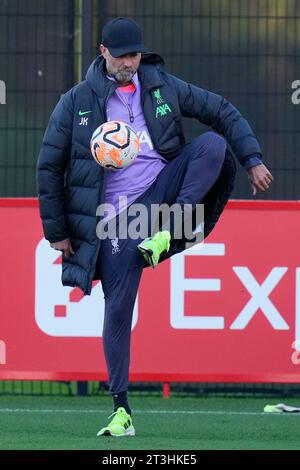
{"type": "Point", "coordinates": [120, 418]}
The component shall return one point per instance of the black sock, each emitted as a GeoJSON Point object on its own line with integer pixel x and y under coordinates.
{"type": "Point", "coordinates": [120, 399]}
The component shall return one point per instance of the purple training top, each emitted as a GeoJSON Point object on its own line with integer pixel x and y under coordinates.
{"type": "Point", "coordinates": [134, 180]}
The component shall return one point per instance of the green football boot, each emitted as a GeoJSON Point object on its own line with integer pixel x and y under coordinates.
{"type": "Point", "coordinates": [152, 248]}
{"type": "Point", "coordinates": [120, 425]}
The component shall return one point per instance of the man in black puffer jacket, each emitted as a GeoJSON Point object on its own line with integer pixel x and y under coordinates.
{"type": "Point", "coordinates": [127, 84]}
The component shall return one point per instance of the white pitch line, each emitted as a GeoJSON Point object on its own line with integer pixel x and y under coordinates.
{"type": "Point", "coordinates": [197, 412]}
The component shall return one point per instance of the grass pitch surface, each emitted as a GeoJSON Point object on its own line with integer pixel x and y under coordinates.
{"type": "Point", "coordinates": [177, 423]}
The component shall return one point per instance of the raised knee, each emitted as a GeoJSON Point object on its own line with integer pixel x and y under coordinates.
{"type": "Point", "coordinates": [212, 138]}
{"type": "Point", "coordinates": [216, 145]}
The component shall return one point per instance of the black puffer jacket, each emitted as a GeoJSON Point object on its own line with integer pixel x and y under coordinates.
{"type": "Point", "coordinates": [71, 185]}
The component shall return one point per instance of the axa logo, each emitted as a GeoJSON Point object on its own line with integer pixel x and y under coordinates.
{"type": "Point", "coordinates": [162, 110]}
{"type": "Point", "coordinates": [2, 92]}
{"type": "Point", "coordinates": [162, 107]}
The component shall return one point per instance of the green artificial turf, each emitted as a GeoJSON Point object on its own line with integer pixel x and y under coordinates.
{"type": "Point", "coordinates": [177, 423]}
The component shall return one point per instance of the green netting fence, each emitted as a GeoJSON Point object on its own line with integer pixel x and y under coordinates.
{"type": "Point", "coordinates": [47, 388]}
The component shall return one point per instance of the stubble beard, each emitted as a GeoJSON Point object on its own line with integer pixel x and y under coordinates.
{"type": "Point", "coordinates": [122, 76]}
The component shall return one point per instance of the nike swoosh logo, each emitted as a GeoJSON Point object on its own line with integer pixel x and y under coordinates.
{"type": "Point", "coordinates": [82, 113]}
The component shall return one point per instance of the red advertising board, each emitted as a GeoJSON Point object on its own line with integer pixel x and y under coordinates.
{"type": "Point", "coordinates": [227, 310]}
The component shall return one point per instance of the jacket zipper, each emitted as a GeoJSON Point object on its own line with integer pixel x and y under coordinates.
{"type": "Point", "coordinates": [129, 108]}
{"type": "Point", "coordinates": [131, 117]}
{"type": "Point", "coordinates": [101, 193]}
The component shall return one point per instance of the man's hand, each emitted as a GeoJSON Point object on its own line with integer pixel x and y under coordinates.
{"type": "Point", "coordinates": [64, 246]}
{"type": "Point", "coordinates": [259, 178]}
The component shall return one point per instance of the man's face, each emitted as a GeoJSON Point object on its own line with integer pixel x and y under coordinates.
{"type": "Point", "coordinates": [121, 68]}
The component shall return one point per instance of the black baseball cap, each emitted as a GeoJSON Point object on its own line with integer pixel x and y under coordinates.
{"type": "Point", "coordinates": [122, 36]}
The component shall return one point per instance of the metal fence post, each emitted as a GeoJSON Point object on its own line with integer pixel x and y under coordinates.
{"type": "Point", "coordinates": [70, 47]}
{"type": "Point", "coordinates": [86, 35]}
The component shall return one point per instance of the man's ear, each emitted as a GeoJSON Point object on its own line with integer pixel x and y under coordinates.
{"type": "Point", "coordinates": [101, 49]}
